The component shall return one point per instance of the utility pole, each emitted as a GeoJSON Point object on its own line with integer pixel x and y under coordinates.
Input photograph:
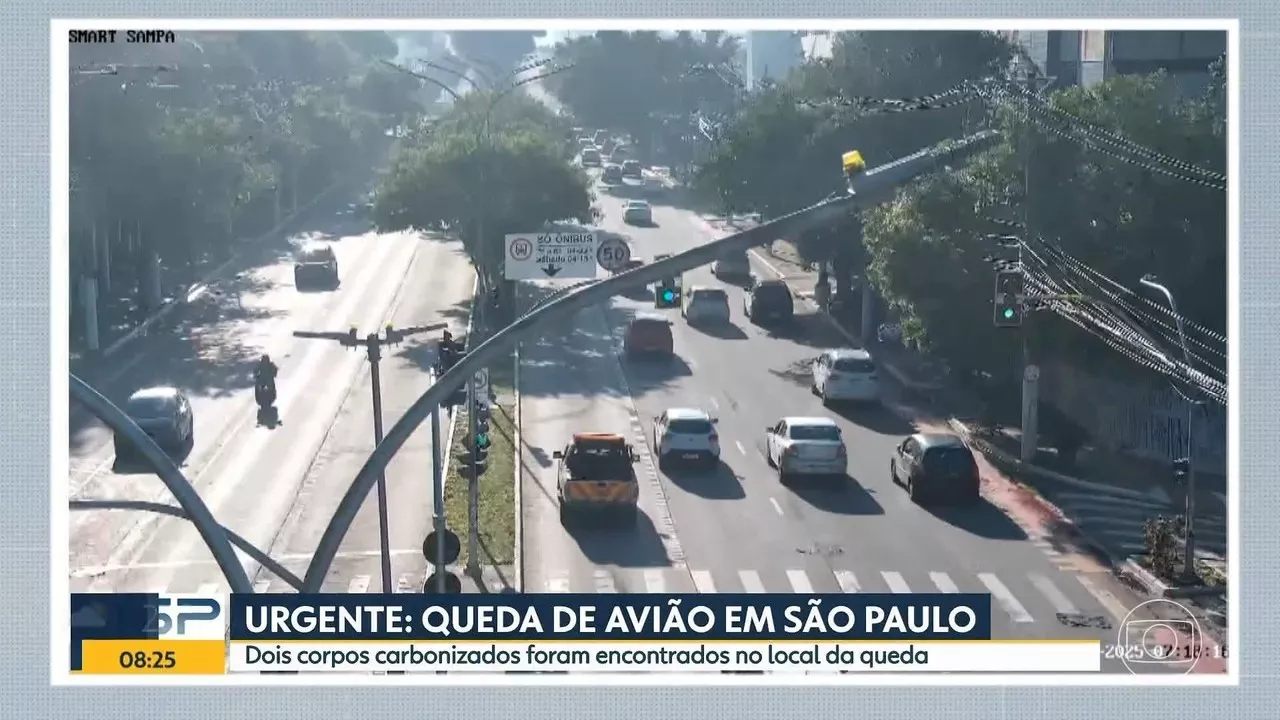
{"type": "Point", "coordinates": [1184, 466]}
{"type": "Point", "coordinates": [373, 345]}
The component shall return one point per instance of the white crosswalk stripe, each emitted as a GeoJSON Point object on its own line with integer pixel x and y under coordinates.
{"type": "Point", "coordinates": [261, 586]}
{"type": "Point", "coordinates": [703, 581]}
{"type": "Point", "coordinates": [1060, 602]}
{"type": "Point", "coordinates": [359, 584]}
{"type": "Point", "coordinates": [604, 582]}
{"type": "Point", "coordinates": [799, 581]}
{"type": "Point", "coordinates": [944, 583]}
{"type": "Point", "coordinates": [209, 588]}
{"type": "Point", "coordinates": [558, 583]}
{"type": "Point", "coordinates": [847, 580]}
{"type": "Point", "coordinates": [1005, 599]}
{"type": "Point", "coordinates": [897, 584]}
{"type": "Point", "coordinates": [751, 581]}
{"type": "Point", "coordinates": [654, 581]}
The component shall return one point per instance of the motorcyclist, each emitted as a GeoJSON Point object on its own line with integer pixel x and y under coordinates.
{"type": "Point", "coordinates": [264, 377]}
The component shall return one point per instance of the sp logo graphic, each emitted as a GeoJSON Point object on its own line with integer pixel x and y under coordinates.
{"type": "Point", "coordinates": [193, 617]}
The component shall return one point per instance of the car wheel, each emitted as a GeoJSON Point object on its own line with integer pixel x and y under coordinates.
{"type": "Point", "coordinates": [769, 458]}
{"type": "Point", "coordinates": [826, 402]}
{"type": "Point", "coordinates": [783, 478]}
{"type": "Point", "coordinates": [893, 472]}
{"type": "Point", "coordinates": [912, 491]}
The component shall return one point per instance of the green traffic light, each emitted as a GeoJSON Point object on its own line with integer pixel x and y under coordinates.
{"type": "Point", "coordinates": [668, 296]}
{"type": "Point", "coordinates": [482, 440]}
{"type": "Point", "coordinates": [1008, 313]}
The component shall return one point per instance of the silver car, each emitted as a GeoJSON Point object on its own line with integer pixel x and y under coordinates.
{"type": "Point", "coordinates": [808, 446]}
{"type": "Point", "coordinates": [164, 413]}
{"type": "Point", "coordinates": [704, 304]}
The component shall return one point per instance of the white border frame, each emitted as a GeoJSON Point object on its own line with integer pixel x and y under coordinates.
{"type": "Point", "coordinates": [59, 193]}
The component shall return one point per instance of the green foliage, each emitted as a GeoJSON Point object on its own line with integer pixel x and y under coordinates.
{"type": "Point", "coordinates": [925, 250]}
{"type": "Point", "coordinates": [496, 163]}
{"type": "Point", "coordinates": [186, 161]}
{"type": "Point", "coordinates": [642, 83]}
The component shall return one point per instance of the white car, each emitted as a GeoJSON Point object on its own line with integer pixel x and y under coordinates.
{"type": "Point", "coordinates": [848, 375]}
{"type": "Point", "coordinates": [806, 446]}
{"type": "Point", "coordinates": [705, 304]}
{"type": "Point", "coordinates": [686, 434]}
{"type": "Point", "coordinates": [637, 212]}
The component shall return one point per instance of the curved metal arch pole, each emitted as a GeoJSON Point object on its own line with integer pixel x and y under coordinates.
{"type": "Point", "coordinates": [873, 183]}
{"type": "Point", "coordinates": [425, 78]}
{"type": "Point", "coordinates": [461, 75]}
{"type": "Point", "coordinates": [215, 538]}
{"type": "Point", "coordinates": [174, 511]}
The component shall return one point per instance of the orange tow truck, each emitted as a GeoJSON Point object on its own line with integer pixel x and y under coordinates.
{"type": "Point", "coordinates": [596, 477]}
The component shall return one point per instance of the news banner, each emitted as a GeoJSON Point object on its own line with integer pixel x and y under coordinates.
{"type": "Point", "coordinates": [215, 635]}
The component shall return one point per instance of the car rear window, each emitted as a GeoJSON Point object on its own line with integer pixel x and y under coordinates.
{"type": "Point", "coordinates": [815, 432]}
{"type": "Point", "coordinates": [315, 255]}
{"type": "Point", "coordinates": [861, 366]}
{"type": "Point", "coordinates": [710, 295]}
{"type": "Point", "coordinates": [773, 293]}
{"type": "Point", "coordinates": [689, 426]}
{"type": "Point", "coordinates": [591, 154]}
{"type": "Point", "coordinates": [650, 327]}
{"type": "Point", "coordinates": [150, 407]}
{"type": "Point", "coordinates": [947, 459]}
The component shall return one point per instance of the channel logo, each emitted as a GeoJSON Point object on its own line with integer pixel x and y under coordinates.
{"type": "Point", "coordinates": [1160, 632]}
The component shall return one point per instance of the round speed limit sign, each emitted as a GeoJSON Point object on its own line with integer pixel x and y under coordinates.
{"type": "Point", "coordinates": [613, 253]}
{"type": "Point", "coordinates": [521, 249]}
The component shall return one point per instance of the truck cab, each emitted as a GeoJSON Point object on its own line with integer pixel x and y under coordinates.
{"type": "Point", "coordinates": [596, 477]}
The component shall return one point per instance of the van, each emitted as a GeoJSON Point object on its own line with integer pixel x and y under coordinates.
{"type": "Point", "coordinates": [648, 335]}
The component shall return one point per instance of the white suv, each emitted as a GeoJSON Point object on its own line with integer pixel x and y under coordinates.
{"type": "Point", "coordinates": [685, 434]}
{"type": "Point", "coordinates": [846, 375]}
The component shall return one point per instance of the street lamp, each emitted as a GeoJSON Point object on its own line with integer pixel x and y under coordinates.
{"type": "Point", "coordinates": [1183, 465]}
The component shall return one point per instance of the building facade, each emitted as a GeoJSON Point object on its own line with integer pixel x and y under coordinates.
{"type": "Point", "coordinates": [1086, 57]}
{"type": "Point", "coordinates": [770, 54]}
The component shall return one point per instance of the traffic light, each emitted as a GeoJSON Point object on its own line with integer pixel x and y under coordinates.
{"type": "Point", "coordinates": [482, 440]}
{"type": "Point", "coordinates": [666, 294]}
{"type": "Point", "coordinates": [853, 163]}
{"type": "Point", "coordinates": [1181, 469]}
{"type": "Point", "coordinates": [1007, 306]}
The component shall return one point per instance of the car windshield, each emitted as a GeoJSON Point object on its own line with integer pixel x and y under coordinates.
{"type": "Point", "coordinates": [150, 407]}
{"type": "Point", "coordinates": [815, 432]}
{"type": "Point", "coordinates": [861, 366]}
{"type": "Point", "coordinates": [947, 459]}
{"type": "Point", "coordinates": [591, 154]}
{"type": "Point", "coordinates": [690, 426]}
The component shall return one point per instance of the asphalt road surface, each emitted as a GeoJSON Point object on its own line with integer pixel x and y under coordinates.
{"type": "Point", "coordinates": [735, 529]}
{"type": "Point", "coordinates": [270, 484]}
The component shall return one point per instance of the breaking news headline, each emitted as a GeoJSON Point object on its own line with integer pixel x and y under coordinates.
{"type": "Point", "coordinates": [738, 618]}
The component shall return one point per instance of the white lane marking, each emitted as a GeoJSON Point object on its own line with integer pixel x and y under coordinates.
{"type": "Point", "coordinates": [741, 448]}
{"type": "Point", "coordinates": [1061, 603]}
{"type": "Point", "coordinates": [208, 588]}
{"type": "Point", "coordinates": [1108, 600]}
{"type": "Point", "coordinates": [776, 506]}
{"type": "Point", "coordinates": [261, 586]}
{"type": "Point", "coordinates": [1005, 598]}
{"type": "Point", "coordinates": [897, 584]}
{"type": "Point", "coordinates": [558, 583]}
{"type": "Point", "coordinates": [404, 585]}
{"type": "Point", "coordinates": [703, 581]}
{"type": "Point", "coordinates": [715, 404]}
{"type": "Point", "coordinates": [847, 580]}
{"type": "Point", "coordinates": [655, 582]}
{"type": "Point", "coordinates": [944, 583]}
{"type": "Point", "coordinates": [359, 584]}
{"type": "Point", "coordinates": [751, 581]}
{"type": "Point", "coordinates": [799, 581]}
{"type": "Point", "coordinates": [604, 582]}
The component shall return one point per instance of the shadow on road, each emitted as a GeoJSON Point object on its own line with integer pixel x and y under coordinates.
{"type": "Point", "coordinates": [838, 496]}
{"type": "Point", "coordinates": [979, 518]}
{"type": "Point", "coordinates": [873, 416]}
{"type": "Point", "coordinates": [645, 374]}
{"type": "Point", "coordinates": [720, 331]}
{"type": "Point", "coordinates": [613, 542]}
{"type": "Point", "coordinates": [806, 329]}
{"type": "Point", "coordinates": [712, 483]}
{"type": "Point", "coordinates": [136, 464]}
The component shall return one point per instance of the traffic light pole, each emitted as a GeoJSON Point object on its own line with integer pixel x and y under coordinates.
{"type": "Point", "coordinates": [437, 496]}
{"type": "Point", "coordinates": [473, 481]}
{"type": "Point", "coordinates": [373, 349]}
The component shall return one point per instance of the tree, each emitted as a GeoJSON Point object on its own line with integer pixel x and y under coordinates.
{"type": "Point", "coordinates": [1100, 202]}
{"type": "Point", "coordinates": [644, 84]}
{"type": "Point", "coordinates": [479, 186]}
{"type": "Point", "coordinates": [176, 164]}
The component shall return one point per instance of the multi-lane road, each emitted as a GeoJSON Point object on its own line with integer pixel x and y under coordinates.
{"type": "Point", "coordinates": [736, 529]}
{"type": "Point", "coordinates": [276, 486]}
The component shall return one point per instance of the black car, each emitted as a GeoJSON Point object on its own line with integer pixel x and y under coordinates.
{"type": "Point", "coordinates": [164, 413]}
{"type": "Point", "coordinates": [936, 466]}
{"type": "Point", "coordinates": [631, 169]}
{"type": "Point", "coordinates": [315, 266]}
{"type": "Point", "coordinates": [768, 301]}
{"type": "Point", "coordinates": [612, 175]}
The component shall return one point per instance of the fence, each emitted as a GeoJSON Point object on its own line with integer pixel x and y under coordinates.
{"type": "Point", "coordinates": [1147, 422]}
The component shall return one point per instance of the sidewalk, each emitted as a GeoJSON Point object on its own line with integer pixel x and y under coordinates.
{"type": "Point", "coordinates": [1106, 508]}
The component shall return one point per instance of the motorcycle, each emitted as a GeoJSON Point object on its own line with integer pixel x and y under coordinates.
{"type": "Point", "coordinates": [265, 395]}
